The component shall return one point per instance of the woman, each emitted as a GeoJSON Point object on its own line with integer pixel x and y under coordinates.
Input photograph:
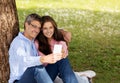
{"type": "Point", "coordinates": [47, 38]}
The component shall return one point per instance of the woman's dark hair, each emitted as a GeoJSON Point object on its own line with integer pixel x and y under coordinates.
{"type": "Point", "coordinates": [43, 41]}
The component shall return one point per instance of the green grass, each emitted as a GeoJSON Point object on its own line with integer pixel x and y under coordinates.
{"type": "Point", "coordinates": [95, 28]}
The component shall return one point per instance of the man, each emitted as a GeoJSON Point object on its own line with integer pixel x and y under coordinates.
{"type": "Point", "coordinates": [25, 64]}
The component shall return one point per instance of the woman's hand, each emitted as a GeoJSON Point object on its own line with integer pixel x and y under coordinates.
{"type": "Point", "coordinates": [63, 54]}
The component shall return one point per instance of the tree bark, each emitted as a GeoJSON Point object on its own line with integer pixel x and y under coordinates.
{"type": "Point", "coordinates": [9, 27]}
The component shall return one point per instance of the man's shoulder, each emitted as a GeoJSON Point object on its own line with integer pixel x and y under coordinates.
{"type": "Point", "coordinates": [18, 41]}
{"type": "Point", "coordinates": [19, 38]}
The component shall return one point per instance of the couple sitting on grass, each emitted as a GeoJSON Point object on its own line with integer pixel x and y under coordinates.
{"type": "Point", "coordinates": [31, 56]}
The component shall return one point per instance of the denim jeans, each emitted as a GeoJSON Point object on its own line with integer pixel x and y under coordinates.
{"type": "Point", "coordinates": [35, 74]}
{"type": "Point", "coordinates": [63, 69]}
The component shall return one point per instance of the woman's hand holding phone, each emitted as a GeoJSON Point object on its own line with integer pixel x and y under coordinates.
{"type": "Point", "coordinates": [57, 51]}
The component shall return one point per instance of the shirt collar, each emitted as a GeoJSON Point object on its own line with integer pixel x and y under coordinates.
{"type": "Point", "coordinates": [23, 37]}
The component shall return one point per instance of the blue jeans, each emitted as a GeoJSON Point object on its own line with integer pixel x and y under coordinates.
{"type": "Point", "coordinates": [35, 74]}
{"type": "Point", "coordinates": [63, 69]}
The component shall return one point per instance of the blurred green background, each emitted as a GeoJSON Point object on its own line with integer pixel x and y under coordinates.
{"type": "Point", "coordinates": [95, 28]}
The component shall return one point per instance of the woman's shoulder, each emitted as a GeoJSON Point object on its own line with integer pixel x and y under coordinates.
{"type": "Point", "coordinates": [58, 42]}
{"type": "Point", "coordinates": [62, 42]}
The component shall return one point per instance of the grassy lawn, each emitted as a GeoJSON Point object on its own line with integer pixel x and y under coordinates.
{"type": "Point", "coordinates": [95, 28]}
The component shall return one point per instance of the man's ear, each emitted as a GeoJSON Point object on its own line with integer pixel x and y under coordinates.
{"type": "Point", "coordinates": [26, 25]}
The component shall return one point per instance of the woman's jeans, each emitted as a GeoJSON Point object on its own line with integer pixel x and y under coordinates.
{"type": "Point", "coordinates": [63, 69]}
{"type": "Point", "coordinates": [35, 74]}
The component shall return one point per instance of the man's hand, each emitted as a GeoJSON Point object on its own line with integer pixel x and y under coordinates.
{"type": "Point", "coordinates": [58, 56]}
{"type": "Point", "coordinates": [51, 58]}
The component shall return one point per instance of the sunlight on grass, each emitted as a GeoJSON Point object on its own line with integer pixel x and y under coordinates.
{"type": "Point", "coordinates": [96, 5]}
{"type": "Point", "coordinates": [95, 28]}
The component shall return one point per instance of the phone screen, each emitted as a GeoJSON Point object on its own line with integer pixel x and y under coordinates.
{"type": "Point", "coordinates": [57, 48]}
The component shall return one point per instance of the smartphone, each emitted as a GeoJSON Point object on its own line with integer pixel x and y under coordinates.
{"type": "Point", "coordinates": [57, 48]}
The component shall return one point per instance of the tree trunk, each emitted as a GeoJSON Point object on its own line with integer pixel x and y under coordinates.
{"type": "Point", "coordinates": [9, 28]}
